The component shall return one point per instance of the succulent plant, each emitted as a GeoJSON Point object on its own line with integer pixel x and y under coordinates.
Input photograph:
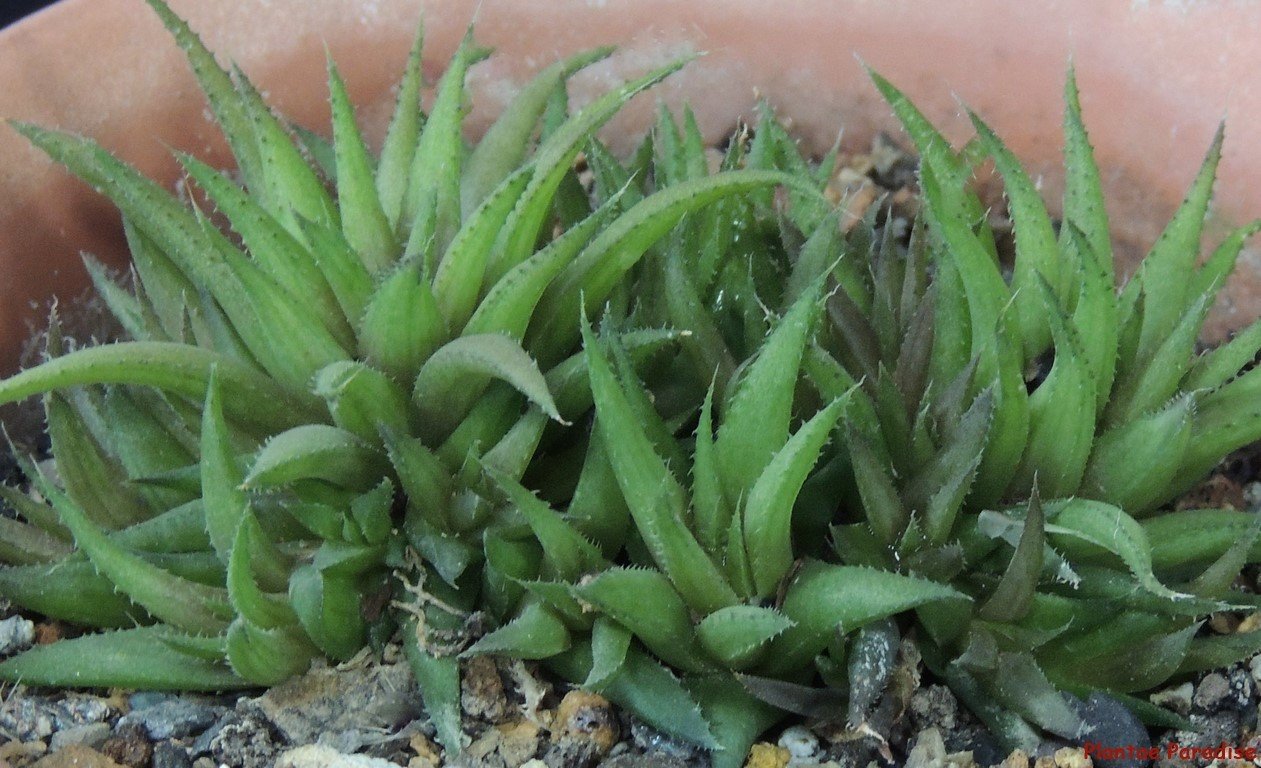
{"type": "Point", "coordinates": [323, 359]}
{"type": "Point", "coordinates": [690, 437]}
{"type": "Point", "coordinates": [1016, 437]}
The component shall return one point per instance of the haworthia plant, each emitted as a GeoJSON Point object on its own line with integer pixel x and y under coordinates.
{"type": "Point", "coordinates": [692, 444]}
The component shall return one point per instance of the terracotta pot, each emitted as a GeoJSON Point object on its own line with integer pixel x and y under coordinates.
{"type": "Point", "coordinates": [1156, 77]}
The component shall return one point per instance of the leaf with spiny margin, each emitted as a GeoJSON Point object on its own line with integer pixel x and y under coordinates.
{"type": "Point", "coordinates": [363, 400]}
{"type": "Point", "coordinates": [364, 221]}
{"type": "Point", "coordinates": [598, 509]}
{"type": "Point", "coordinates": [269, 312]}
{"type": "Point", "coordinates": [1013, 597]}
{"type": "Point", "coordinates": [1166, 272]}
{"type": "Point", "coordinates": [433, 188]}
{"type": "Point", "coordinates": [179, 602]}
{"type": "Point", "coordinates": [267, 656]}
{"type": "Point", "coordinates": [768, 510]}
{"type": "Point", "coordinates": [952, 336]}
{"type": "Point", "coordinates": [216, 84]}
{"type": "Point", "coordinates": [89, 474]}
{"type": "Point", "coordinates": [1152, 380]}
{"type": "Point", "coordinates": [25, 544]}
{"type": "Point", "coordinates": [492, 415]}
{"type": "Point", "coordinates": [138, 658]}
{"type": "Point", "coordinates": [1219, 365]}
{"type": "Point", "coordinates": [294, 189]}
{"type": "Point", "coordinates": [824, 598]}
{"type": "Point", "coordinates": [509, 561]}
{"type": "Point", "coordinates": [315, 451]}
{"type": "Point", "coordinates": [1083, 191]}
{"type": "Point", "coordinates": [610, 643]}
{"type": "Point", "coordinates": [735, 717]}
{"type": "Point", "coordinates": [1094, 318]}
{"type": "Point", "coordinates": [1061, 411]}
{"type": "Point", "coordinates": [711, 516]}
{"type": "Point", "coordinates": [737, 635]}
{"type": "Point", "coordinates": [395, 163]}
{"type": "Point", "coordinates": [1211, 277]}
{"type": "Point", "coordinates": [321, 151]}
{"type": "Point", "coordinates": [504, 146]}
{"type": "Point", "coordinates": [262, 610]}
{"type": "Point", "coordinates": [1012, 731]}
{"type": "Point", "coordinates": [755, 425]}
{"type": "Point", "coordinates": [1132, 463]}
{"type": "Point", "coordinates": [646, 688]}
{"type": "Point", "coordinates": [438, 678]}
{"type": "Point", "coordinates": [1196, 536]}
{"type": "Point", "coordinates": [536, 633]}
{"type": "Point", "coordinates": [144, 441]}
{"type": "Point", "coordinates": [277, 250]}
{"type": "Point", "coordinates": [704, 343]}
{"type": "Point", "coordinates": [514, 452]}
{"type": "Point", "coordinates": [565, 551]}
{"type": "Point", "coordinates": [1133, 652]}
{"type": "Point", "coordinates": [553, 161]}
{"type": "Point", "coordinates": [1036, 249]}
{"type": "Point", "coordinates": [882, 504]}
{"type": "Point", "coordinates": [152, 210]}
{"type": "Point", "coordinates": [589, 279]}
{"type": "Point", "coordinates": [1218, 652]}
{"type": "Point", "coordinates": [162, 291]}
{"type": "Point", "coordinates": [223, 501]}
{"type": "Point", "coordinates": [327, 606]}
{"type": "Point", "coordinates": [458, 279]}
{"type": "Point", "coordinates": [341, 267]}
{"type": "Point", "coordinates": [451, 379]}
{"type": "Point", "coordinates": [647, 604]}
{"type": "Point", "coordinates": [571, 384]}
{"type": "Point", "coordinates": [1216, 580]}
{"type": "Point", "coordinates": [1108, 526]}
{"type": "Point", "coordinates": [510, 302]}
{"type": "Point", "coordinates": [1225, 420]}
{"type": "Point", "coordinates": [559, 597]}
{"type": "Point", "coordinates": [940, 487]}
{"type": "Point", "coordinates": [1021, 686]}
{"type": "Point", "coordinates": [123, 305]}
{"type": "Point", "coordinates": [656, 499]}
{"type": "Point", "coordinates": [401, 324]}
{"type": "Point", "coordinates": [994, 338]}
{"type": "Point", "coordinates": [70, 590]}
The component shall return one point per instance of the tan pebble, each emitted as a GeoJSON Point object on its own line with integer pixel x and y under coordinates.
{"type": "Point", "coordinates": [1251, 623]}
{"type": "Point", "coordinates": [75, 756]}
{"type": "Point", "coordinates": [427, 754]}
{"type": "Point", "coordinates": [1017, 759]}
{"type": "Point", "coordinates": [488, 743]}
{"type": "Point", "coordinates": [535, 763]}
{"type": "Point", "coordinates": [1072, 757]}
{"type": "Point", "coordinates": [588, 717]}
{"type": "Point", "coordinates": [765, 755]}
{"type": "Point", "coordinates": [1044, 762]}
{"type": "Point", "coordinates": [518, 742]}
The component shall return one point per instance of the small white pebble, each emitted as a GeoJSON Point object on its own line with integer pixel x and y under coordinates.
{"type": "Point", "coordinates": [1252, 495]}
{"type": "Point", "coordinates": [535, 763]}
{"type": "Point", "coordinates": [16, 634]}
{"type": "Point", "coordinates": [802, 745]}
